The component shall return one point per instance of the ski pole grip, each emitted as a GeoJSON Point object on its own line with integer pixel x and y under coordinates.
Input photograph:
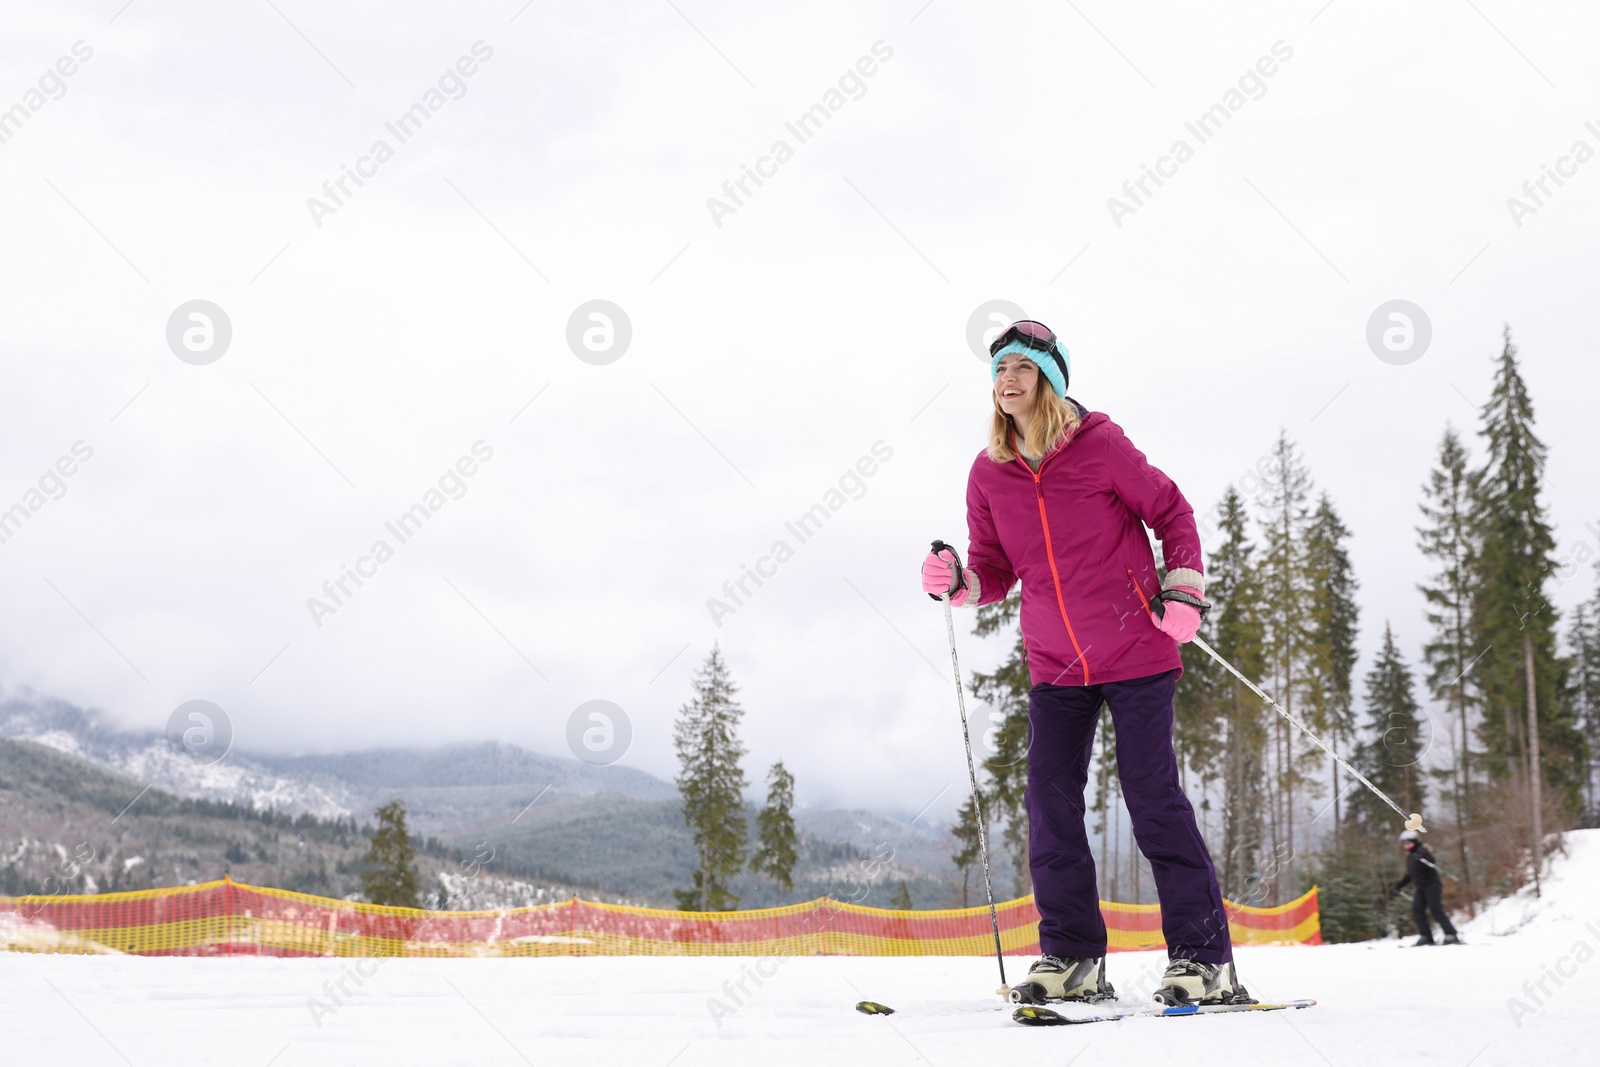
{"type": "Point", "coordinates": [1158, 603]}
{"type": "Point", "coordinates": [940, 546]}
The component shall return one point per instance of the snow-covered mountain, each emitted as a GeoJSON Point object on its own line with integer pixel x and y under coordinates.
{"type": "Point", "coordinates": [444, 787]}
{"type": "Point", "coordinates": [614, 828]}
{"type": "Point", "coordinates": [150, 758]}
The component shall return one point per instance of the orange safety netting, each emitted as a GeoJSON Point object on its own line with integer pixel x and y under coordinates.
{"type": "Point", "coordinates": [228, 918]}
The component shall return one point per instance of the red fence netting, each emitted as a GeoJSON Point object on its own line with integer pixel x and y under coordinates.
{"type": "Point", "coordinates": [228, 918]}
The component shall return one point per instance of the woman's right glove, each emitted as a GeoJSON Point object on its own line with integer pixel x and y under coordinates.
{"type": "Point", "coordinates": [942, 573]}
{"type": "Point", "coordinates": [1177, 614]}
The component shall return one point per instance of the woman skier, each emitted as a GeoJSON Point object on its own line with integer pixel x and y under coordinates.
{"type": "Point", "coordinates": [1060, 500]}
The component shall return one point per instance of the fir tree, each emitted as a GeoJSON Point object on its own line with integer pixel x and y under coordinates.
{"type": "Point", "coordinates": [901, 901]}
{"type": "Point", "coordinates": [775, 854]}
{"type": "Point", "coordinates": [1353, 904]}
{"type": "Point", "coordinates": [1510, 615]}
{"type": "Point", "coordinates": [968, 850]}
{"type": "Point", "coordinates": [1446, 538]}
{"type": "Point", "coordinates": [712, 784]}
{"type": "Point", "coordinates": [1006, 690]}
{"type": "Point", "coordinates": [1285, 592]}
{"type": "Point", "coordinates": [1584, 685]}
{"type": "Point", "coordinates": [1197, 738]}
{"type": "Point", "coordinates": [1331, 635]}
{"type": "Point", "coordinates": [389, 869]}
{"type": "Point", "coordinates": [1234, 627]}
{"type": "Point", "coordinates": [1391, 757]}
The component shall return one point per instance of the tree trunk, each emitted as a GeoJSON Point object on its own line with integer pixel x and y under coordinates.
{"type": "Point", "coordinates": [1534, 775]}
{"type": "Point", "coordinates": [1138, 875]}
{"type": "Point", "coordinates": [1334, 765]}
{"type": "Point", "coordinates": [1027, 854]}
{"type": "Point", "coordinates": [1105, 824]}
{"type": "Point", "coordinates": [1516, 750]}
{"type": "Point", "coordinates": [1116, 836]}
{"type": "Point", "coordinates": [1462, 778]}
{"type": "Point", "coordinates": [1234, 813]}
{"type": "Point", "coordinates": [1287, 866]}
{"type": "Point", "coordinates": [1464, 773]}
{"type": "Point", "coordinates": [1275, 784]}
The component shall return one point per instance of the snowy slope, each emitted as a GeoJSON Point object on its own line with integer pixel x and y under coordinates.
{"type": "Point", "coordinates": [1570, 893]}
{"type": "Point", "coordinates": [1378, 1005]}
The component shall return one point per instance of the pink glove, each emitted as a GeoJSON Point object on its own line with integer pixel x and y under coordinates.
{"type": "Point", "coordinates": [1180, 621]}
{"type": "Point", "coordinates": [939, 574]}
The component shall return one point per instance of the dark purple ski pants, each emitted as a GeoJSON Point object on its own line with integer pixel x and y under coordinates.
{"type": "Point", "coordinates": [1062, 721]}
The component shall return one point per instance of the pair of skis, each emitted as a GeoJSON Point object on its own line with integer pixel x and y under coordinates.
{"type": "Point", "coordinates": [1037, 1015]}
{"type": "Point", "coordinates": [1034, 1015]}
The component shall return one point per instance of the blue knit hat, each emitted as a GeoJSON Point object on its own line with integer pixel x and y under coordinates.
{"type": "Point", "coordinates": [1056, 373]}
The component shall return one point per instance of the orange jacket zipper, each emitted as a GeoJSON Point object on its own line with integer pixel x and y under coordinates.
{"type": "Point", "coordinates": [1137, 589]}
{"type": "Point", "coordinates": [1050, 554]}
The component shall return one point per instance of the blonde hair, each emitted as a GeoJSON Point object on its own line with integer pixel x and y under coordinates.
{"type": "Point", "coordinates": [1053, 419]}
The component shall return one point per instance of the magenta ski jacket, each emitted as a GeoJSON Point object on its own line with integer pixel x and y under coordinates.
{"type": "Point", "coordinates": [1074, 534]}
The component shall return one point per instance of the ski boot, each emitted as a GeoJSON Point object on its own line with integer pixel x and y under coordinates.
{"type": "Point", "coordinates": [1451, 939]}
{"type": "Point", "coordinates": [1053, 979]}
{"type": "Point", "coordinates": [1423, 942]}
{"type": "Point", "coordinates": [1193, 982]}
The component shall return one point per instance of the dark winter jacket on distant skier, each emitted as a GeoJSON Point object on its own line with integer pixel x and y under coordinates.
{"type": "Point", "coordinates": [1421, 869]}
{"type": "Point", "coordinates": [1073, 533]}
{"type": "Point", "coordinates": [1428, 897]}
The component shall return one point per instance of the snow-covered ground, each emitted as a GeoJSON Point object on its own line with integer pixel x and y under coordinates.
{"type": "Point", "coordinates": [1478, 1005]}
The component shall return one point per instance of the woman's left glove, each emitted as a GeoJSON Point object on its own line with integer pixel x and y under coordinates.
{"type": "Point", "coordinates": [1179, 620]}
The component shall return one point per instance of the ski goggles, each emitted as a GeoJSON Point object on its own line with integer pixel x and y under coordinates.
{"type": "Point", "coordinates": [1034, 335]}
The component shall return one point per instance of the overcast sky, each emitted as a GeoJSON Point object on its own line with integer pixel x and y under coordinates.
{"type": "Point", "coordinates": [776, 339]}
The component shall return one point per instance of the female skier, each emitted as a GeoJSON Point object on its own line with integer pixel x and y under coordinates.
{"type": "Point", "coordinates": [1060, 499]}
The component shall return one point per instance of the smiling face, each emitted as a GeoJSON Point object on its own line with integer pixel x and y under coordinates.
{"type": "Point", "coordinates": [1016, 384]}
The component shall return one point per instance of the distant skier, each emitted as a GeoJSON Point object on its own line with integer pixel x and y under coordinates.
{"type": "Point", "coordinates": [1422, 874]}
{"type": "Point", "coordinates": [1060, 500]}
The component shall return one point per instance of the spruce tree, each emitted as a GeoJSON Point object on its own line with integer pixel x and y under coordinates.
{"type": "Point", "coordinates": [1198, 711]}
{"type": "Point", "coordinates": [389, 869]}
{"type": "Point", "coordinates": [901, 901]}
{"type": "Point", "coordinates": [968, 849]}
{"type": "Point", "coordinates": [1331, 635]}
{"type": "Point", "coordinates": [1391, 755]}
{"type": "Point", "coordinates": [1006, 690]}
{"type": "Point", "coordinates": [1235, 628]}
{"type": "Point", "coordinates": [1285, 592]}
{"type": "Point", "coordinates": [1446, 538]}
{"type": "Point", "coordinates": [1584, 685]}
{"type": "Point", "coordinates": [775, 855]}
{"type": "Point", "coordinates": [1510, 615]}
{"type": "Point", "coordinates": [712, 784]}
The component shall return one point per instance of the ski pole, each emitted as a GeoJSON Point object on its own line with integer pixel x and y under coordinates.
{"type": "Point", "coordinates": [972, 774]}
{"type": "Point", "coordinates": [1413, 821]}
{"type": "Point", "coordinates": [1158, 608]}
